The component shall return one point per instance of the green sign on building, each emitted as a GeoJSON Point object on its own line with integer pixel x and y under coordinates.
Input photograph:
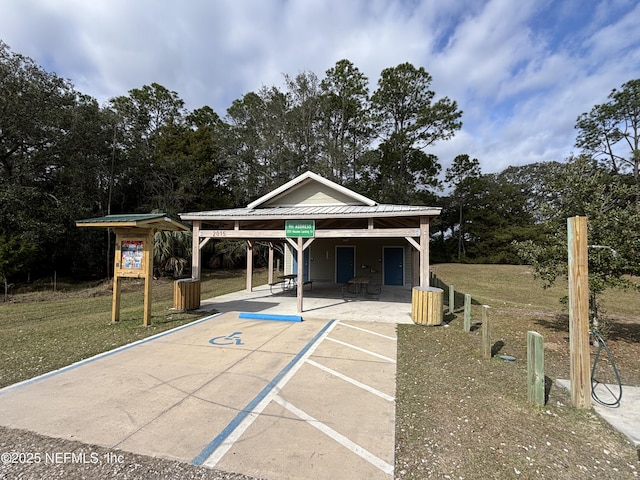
{"type": "Point", "coordinates": [300, 228]}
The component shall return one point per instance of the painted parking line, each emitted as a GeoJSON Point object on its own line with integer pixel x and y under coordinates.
{"type": "Point", "coordinates": [200, 379]}
{"type": "Point", "coordinates": [363, 350]}
{"type": "Point", "coordinates": [352, 381]}
{"type": "Point", "coordinates": [369, 331]}
{"type": "Point", "coordinates": [221, 444]}
{"type": "Point", "coordinates": [341, 439]}
{"type": "Point", "coordinates": [212, 455]}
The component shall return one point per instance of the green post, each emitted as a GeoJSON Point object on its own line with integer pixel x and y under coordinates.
{"type": "Point", "coordinates": [452, 299]}
{"type": "Point", "coordinates": [535, 368]}
{"type": "Point", "coordinates": [467, 312]}
{"type": "Point", "coordinates": [486, 333]}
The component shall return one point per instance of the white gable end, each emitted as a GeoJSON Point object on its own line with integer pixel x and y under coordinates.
{"type": "Point", "coordinates": [310, 189]}
{"type": "Point", "coordinates": [311, 194]}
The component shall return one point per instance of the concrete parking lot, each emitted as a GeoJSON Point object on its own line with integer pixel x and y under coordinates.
{"type": "Point", "coordinates": [310, 399]}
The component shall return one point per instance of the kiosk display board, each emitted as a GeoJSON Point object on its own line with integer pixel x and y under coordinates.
{"type": "Point", "coordinates": [133, 251]}
{"type": "Point", "coordinates": [131, 254]}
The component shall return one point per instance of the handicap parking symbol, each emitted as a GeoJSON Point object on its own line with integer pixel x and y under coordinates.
{"type": "Point", "coordinates": [233, 339]}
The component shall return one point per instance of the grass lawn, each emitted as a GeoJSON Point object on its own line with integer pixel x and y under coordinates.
{"type": "Point", "coordinates": [462, 416]}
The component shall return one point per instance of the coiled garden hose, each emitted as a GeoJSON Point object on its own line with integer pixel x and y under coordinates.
{"type": "Point", "coordinates": [594, 383]}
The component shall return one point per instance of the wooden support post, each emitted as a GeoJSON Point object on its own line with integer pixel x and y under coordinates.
{"type": "Point", "coordinates": [270, 264]}
{"type": "Point", "coordinates": [424, 252]}
{"type": "Point", "coordinates": [196, 256]}
{"type": "Point", "coordinates": [486, 333]}
{"type": "Point", "coordinates": [249, 266]}
{"type": "Point", "coordinates": [452, 299]}
{"type": "Point", "coordinates": [115, 302]}
{"type": "Point", "coordinates": [535, 368]}
{"type": "Point", "coordinates": [579, 358]}
{"type": "Point", "coordinates": [467, 312]}
{"type": "Point", "coordinates": [148, 264]}
{"type": "Point", "coordinates": [300, 272]}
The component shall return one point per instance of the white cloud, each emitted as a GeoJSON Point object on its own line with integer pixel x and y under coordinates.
{"type": "Point", "coordinates": [521, 71]}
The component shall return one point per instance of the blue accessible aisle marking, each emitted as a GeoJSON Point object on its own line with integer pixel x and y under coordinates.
{"type": "Point", "coordinates": [270, 316]}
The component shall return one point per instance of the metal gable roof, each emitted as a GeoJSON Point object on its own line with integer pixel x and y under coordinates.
{"type": "Point", "coordinates": [341, 211]}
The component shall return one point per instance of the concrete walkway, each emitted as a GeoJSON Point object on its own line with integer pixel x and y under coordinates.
{"type": "Point", "coordinates": [324, 301]}
{"type": "Point", "coordinates": [624, 417]}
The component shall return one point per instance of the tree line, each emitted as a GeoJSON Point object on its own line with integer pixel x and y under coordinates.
{"type": "Point", "coordinates": [64, 157]}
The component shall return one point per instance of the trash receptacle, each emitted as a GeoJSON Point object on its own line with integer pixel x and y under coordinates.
{"type": "Point", "coordinates": [426, 305]}
{"type": "Point", "coordinates": [186, 294]}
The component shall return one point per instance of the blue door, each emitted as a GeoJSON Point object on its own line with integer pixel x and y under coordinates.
{"type": "Point", "coordinates": [345, 263]}
{"type": "Point", "coordinates": [393, 265]}
{"type": "Point", "coordinates": [305, 267]}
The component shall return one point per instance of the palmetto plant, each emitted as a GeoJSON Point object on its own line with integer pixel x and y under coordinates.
{"type": "Point", "coordinates": [171, 252]}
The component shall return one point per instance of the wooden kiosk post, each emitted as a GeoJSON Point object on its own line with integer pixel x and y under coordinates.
{"type": "Point", "coordinates": [134, 252]}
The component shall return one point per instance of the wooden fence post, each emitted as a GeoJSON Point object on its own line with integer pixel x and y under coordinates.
{"type": "Point", "coordinates": [467, 312]}
{"type": "Point", "coordinates": [452, 299]}
{"type": "Point", "coordinates": [579, 358]}
{"type": "Point", "coordinates": [535, 368]}
{"type": "Point", "coordinates": [486, 333]}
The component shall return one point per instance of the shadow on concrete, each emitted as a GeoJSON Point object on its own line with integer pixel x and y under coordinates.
{"type": "Point", "coordinates": [324, 300]}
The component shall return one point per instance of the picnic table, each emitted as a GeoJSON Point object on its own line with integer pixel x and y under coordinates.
{"type": "Point", "coordinates": [287, 282]}
{"type": "Point", "coordinates": [358, 283]}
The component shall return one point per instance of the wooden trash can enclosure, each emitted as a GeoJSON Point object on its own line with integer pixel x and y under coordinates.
{"type": "Point", "coordinates": [426, 305]}
{"type": "Point", "coordinates": [186, 294]}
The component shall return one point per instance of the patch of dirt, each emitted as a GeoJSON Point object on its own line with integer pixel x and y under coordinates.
{"type": "Point", "coordinates": [29, 456]}
{"type": "Point", "coordinates": [462, 416]}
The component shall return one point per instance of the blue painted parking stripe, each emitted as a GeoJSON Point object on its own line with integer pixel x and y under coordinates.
{"type": "Point", "coordinates": [44, 376]}
{"type": "Point", "coordinates": [208, 450]}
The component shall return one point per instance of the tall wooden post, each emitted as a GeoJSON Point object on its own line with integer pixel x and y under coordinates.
{"type": "Point", "coordinates": [300, 272]}
{"type": "Point", "coordinates": [579, 312]}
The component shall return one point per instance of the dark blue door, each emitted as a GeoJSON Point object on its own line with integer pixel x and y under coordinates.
{"type": "Point", "coordinates": [305, 267]}
{"type": "Point", "coordinates": [345, 261]}
{"type": "Point", "coordinates": [393, 266]}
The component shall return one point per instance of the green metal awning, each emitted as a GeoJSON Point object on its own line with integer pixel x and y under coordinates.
{"type": "Point", "coordinates": [156, 221]}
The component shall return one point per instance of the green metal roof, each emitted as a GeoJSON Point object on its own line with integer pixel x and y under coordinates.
{"type": "Point", "coordinates": [157, 221]}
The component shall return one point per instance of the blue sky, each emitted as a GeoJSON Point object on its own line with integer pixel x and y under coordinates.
{"type": "Point", "coordinates": [521, 70]}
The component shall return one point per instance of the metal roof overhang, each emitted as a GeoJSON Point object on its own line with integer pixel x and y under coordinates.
{"type": "Point", "coordinates": [153, 221]}
{"type": "Point", "coordinates": [312, 213]}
